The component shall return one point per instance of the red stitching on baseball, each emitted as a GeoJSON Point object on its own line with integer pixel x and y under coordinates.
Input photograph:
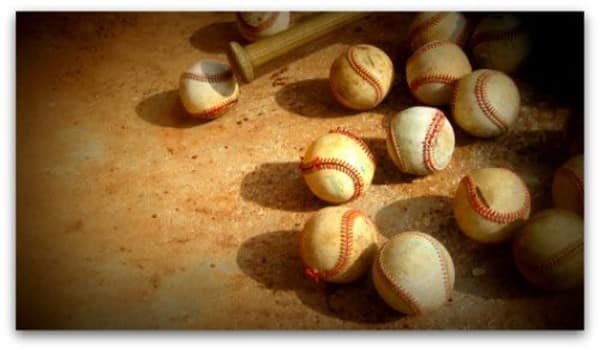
{"type": "Point", "coordinates": [561, 255]}
{"type": "Point", "coordinates": [396, 150]}
{"type": "Point", "coordinates": [210, 113]}
{"type": "Point", "coordinates": [335, 164]}
{"type": "Point", "coordinates": [443, 262]}
{"type": "Point", "coordinates": [431, 22]}
{"type": "Point", "coordinates": [421, 50]}
{"type": "Point", "coordinates": [510, 34]}
{"type": "Point", "coordinates": [576, 181]}
{"type": "Point", "coordinates": [430, 136]}
{"type": "Point", "coordinates": [364, 73]}
{"type": "Point", "coordinates": [346, 235]}
{"type": "Point", "coordinates": [400, 292]}
{"type": "Point", "coordinates": [432, 78]}
{"type": "Point", "coordinates": [362, 144]}
{"type": "Point", "coordinates": [205, 78]}
{"type": "Point", "coordinates": [486, 107]}
{"type": "Point", "coordinates": [482, 209]}
{"type": "Point", "coordinates": [260, 27]}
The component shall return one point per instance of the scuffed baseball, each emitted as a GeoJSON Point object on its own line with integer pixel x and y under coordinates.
{"type": "Point", "coordinates": [257, 25]}
{"type": "Point", "coordinates": [490, 204]}
{"type": "Point", "coordinates": [500, 42]}
{"type": "Point", "coordinates": [338, 166]}
{"type": "Point", "coordinates": [208, 89]}
{"type": "Point", "coordinates": [413, 273]}
{"type": "Point", "coordinates": [420, 140]}
{"type": "Point", "coordinates": [567, 186]}
{"type": "Point", "coordinates": [548, 250]}
{"type": "Point", "coordinates": [432, 70]}
{"type": "Point", "coordinates": [337, 244]}
{"type": "Point", "coordinates": [485, 103]}
{"type": "Point", "coordinates": [361, 77]}
{"type": "Point", "coordinates": [431, 26]}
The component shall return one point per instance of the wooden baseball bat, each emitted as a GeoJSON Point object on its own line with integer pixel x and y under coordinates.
{"type": "Point", "coordinates": [246, 59]}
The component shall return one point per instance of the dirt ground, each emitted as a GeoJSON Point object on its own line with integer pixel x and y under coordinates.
{"type": "Point", "coordinates": [130, 215]}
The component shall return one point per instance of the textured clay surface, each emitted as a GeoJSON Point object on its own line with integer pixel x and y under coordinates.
{"type": "Point", "coordinates": [130, 215]}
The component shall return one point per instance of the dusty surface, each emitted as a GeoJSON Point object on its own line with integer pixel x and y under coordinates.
{"type": "Point", "coordinates": [130, 215]}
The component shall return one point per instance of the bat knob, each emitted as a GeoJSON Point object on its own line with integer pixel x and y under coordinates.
{"type": "Point", "coordinates": [240, 62]}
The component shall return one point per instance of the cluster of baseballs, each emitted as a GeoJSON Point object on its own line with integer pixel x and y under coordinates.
{"type": "Point", "coordinates": [209, 88]}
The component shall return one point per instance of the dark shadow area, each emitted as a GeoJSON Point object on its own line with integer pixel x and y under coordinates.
{"type": "Point", "coordinates": [487, 271]}
{"type": "Point", "coordinates": [215, 37]}
{"type": "Point", "coordinates": [279, 186]}
{"type": "Point", "coordinates": [165, 109]}
{"type": "Point", "coordinates": [311, 98]}
{"type": "Point", "coordinates": [386, 171]}
{"type": "Point", "coordinates": [272, 259]}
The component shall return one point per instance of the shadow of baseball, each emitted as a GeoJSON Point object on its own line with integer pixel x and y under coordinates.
{"type": "Point", "coordinates": [487, 271]}
{"type": "Point", "coordinates": [165, 109]}
{"type": "Point", "coordinates": [311, 98]}
{"type": "Point", "coordinates": [386, 171]}
{"type": "Point", "coordinates": [215, 37]}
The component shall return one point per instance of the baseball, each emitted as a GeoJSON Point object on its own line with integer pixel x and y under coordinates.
{"type": "Point", "coordinates": [548, 250]}
{"type": "Point", "coordinates": [420, 140]}
{"type": "Point", "coordinates": [338, 166]}
{"type": "Point", "coordinates": [413, 273]}
{"type": "Point", "coordinates": [490, 203]}
{"type": "Point", "coordinates": [257, 25]}
{"type": "Point", "coordinates": [500, 42]}
{"type": "Point", "coordinates": [485, 103]}
{"type": "Point", "coordinates": [432, 70]}
{"type": "Point", "coordinates": [208, 89]}
{"type": "Point", "coordinates": [430, 26]}
{"type": "Point", "coordinates": [567, 186]}
{"type": "Point", "coordinates": [361, 77]}
{"type": "Point", "coordinates": [337, 244]}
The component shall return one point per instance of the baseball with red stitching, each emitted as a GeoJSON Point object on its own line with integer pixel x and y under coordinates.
{"type": "Point", "coordinates": [567, 186]}
{"type": "Point", "coordinates": [338, 166]}
{"type": "Point", "coordinates": [501, 42]}
{"type": "Point", "coordinates": [337, 244]}
{"type": "Point", "coordinates": [485, 103]}
{"type": "Point", "coordinates": [548, 250]}
{"type": "Point", "coordinates": [413, 273]}
{"type": "Point", "coordinates": [420, 140]}
{"type": "Point", "coordinates": [256, 25]}
{"type": "Point", "coordinates": [208, 89]}
{"type": "Point", "coordinates": [430, 26]}
{"type": "Point", "coordinates": [490, 204]}
{"type": "Point", "coordinates": [361, 77]}
{"type": "Point", "coordinates": [432, 70]}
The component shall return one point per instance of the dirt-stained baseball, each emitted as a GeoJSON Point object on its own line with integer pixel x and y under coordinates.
{"type": "Point", "coordinates": [338, 166]}
{"type": "Point", "coordinates": [548, 250]}
{"type": "Point", "coordinates": [490, 204]}
{"type": "Point", "coordinates": [420, 140]}
{"type": "Point", "coordinates": [485, 103]}
{"type": "Point", "coordinates": [413, 273]}
{"type": "Point", "coordinates": [500, 42]}
{"type": "Point", "coordinates": [432, 70]}
{"type": "Point", "coordinates": [257, 25]}
{"type": "Point", "coordinates": [208, 89]}
{"type": "Point", "coordinates": [430, 26]}
{"type": "Point", "coordinates": [567, 186]}
{"type": "Point", "coordinates": [361, 77]}
{"type": "Point", "coordinates": [338, 244]}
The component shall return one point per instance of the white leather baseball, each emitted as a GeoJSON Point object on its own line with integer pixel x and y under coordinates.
{"type": "Point", "coordinates": [500, 42]}
{"type": "Point", "coordinates": [432, 70]}
{"type": "Point", "coordinates": [548, 250]}
{"type": "Point", "coordinates": [485, 103]}
{"type": "Point", "coordinates": [208, 89]}
{"type": "Point", "coordinates": [413, 273]}
{"type": "Point", "coordinates": [490, 203]}
{"type": "Point", "coordinates": [257, 25]}
{"type": "Point", "coordinates": [338, 166]}
{"type": "Point", "coordinates": [567, 186]}
{"type": "Point", "coordinates": [361, 77]}
{"type": "Point", "coordinates": [420, 140]}
{"type": "Point", "coordinates": [337, 244]}
{"type": "Point", "coordinates": [430, 26]}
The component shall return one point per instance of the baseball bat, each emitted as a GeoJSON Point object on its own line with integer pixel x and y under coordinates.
{"type": "Point", "coordinates": [245, 60]}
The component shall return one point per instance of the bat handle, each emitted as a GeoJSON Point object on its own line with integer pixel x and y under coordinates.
{"type": "Point", "coordinates": [246, 59]}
